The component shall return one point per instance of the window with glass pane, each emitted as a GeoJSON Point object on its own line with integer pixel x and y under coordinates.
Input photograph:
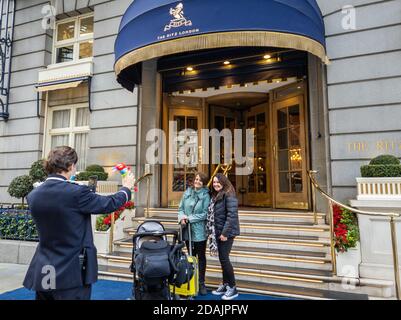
{"type": "Point", "coordinates": [66, 31]}
{"type": "Point", "coordinates": [86, 26]}
{"type": "Point", "coordinates": [290, 151]}
{"type": "Point", "coordinates": [85, 49]}
{"type": "Point", "coordinates": [61, 119]}
{"type": "Point", "coordinates": [81, 147]}
{"type": "Point", "coordinates": [60, 140]}
{"type": "Point", "coordinates": [82, 117]}
{"type": "Point", "coordinates": [74, 40]}
{"type": "Point", "coordinates": [65, 54]}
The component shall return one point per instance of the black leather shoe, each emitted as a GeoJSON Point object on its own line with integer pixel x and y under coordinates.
{"type": "Point", "coordinates": [202, 290]}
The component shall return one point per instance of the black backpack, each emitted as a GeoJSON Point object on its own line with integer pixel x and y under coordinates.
{"type": "Point", "coordinates": [152, 260]}
{"type": "Point", "coordinates": [185, 271]}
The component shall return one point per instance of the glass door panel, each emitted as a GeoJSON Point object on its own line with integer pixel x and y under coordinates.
{"type": "Point", "coordinates": [181, 172]}
{"type": "Point", "coordinates": [258, 192]}
{"type": "Point", "coordinates": [289, 146]}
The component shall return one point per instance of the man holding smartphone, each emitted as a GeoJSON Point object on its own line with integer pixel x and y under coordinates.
{"type": "Point", "coordinates": [65, 262]}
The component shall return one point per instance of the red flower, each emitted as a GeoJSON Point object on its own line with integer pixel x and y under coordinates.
{"type": "Point", "coordinates": [107, 220]}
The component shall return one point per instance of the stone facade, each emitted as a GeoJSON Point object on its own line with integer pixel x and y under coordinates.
{"type": "Point", "coordinates": [363, 87]}
{"type": "Point", "coordinates": [113, 121]}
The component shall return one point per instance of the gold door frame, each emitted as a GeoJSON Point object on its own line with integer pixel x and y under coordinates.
{"type": "Point", "coordinates": [186, 106]}
{"type": "Point", "coordinates": [281, 95]}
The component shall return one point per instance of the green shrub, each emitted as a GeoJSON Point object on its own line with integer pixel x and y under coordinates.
{"type": "Point", "coordinates": [385, 159]}
{"type": "Point", "coordinates": [372, 171]}
{"type": "Point", "coordinates": [17, 225]}
{"type": "Point", "coordinates": [37, 171]}
{"type": "Point", "coordinates": [94, 168]}
{"type": "Point", "coordinates": [20, 187]}
{"type": "Point", "coordinates": [84, 176]}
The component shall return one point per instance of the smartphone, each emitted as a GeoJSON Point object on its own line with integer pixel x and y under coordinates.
{"type": "Point", "coordinates": [92, 184]}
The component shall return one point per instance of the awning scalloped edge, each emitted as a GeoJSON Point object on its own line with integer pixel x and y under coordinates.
{"type": "Point", "coordinates": [221, 40]}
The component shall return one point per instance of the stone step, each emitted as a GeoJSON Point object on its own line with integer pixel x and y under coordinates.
{"type": "Point", "coordinates": [260, 228]}
{"type": "Point", "coordinates": [273, 216]}
{"type": "Point", "coordinates": [244, 220]}
{"type": "Point", "coordinates": [288, 258]}
{"type": "Point", "coordinates": [251, 216]}
{"type": "Point", "coordinates": [247, 271]}
{"type": "Point", "coordinates": [247, 286]}
{"type": "Point", "coordinates": [262, 241]}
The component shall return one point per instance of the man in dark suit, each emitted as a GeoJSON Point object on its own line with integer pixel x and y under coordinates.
{"type": "Point", "coordinates": [65, 263]}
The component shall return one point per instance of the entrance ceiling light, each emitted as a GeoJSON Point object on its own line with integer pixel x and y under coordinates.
{"type": "Point", "coordinates": [267, 56]}
{"type": "Point", "coordinates": [190, 69]}
{"type": "Point", "coordinates": [227, 63]}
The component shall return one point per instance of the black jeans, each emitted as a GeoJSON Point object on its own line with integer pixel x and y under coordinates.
{"type": "Point", "coordinates": [80, 293]}
{"type": "Point", "coordinates": [199, 251]}
{"type": "Point", "coordinates": [224, 248]}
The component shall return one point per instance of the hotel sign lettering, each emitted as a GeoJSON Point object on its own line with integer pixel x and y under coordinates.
{"type": "Point", "coordinates": [377, 146]}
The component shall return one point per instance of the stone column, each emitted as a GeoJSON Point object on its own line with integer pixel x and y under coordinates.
{"type": "Point", "coordinates": [149, 118]}
{"type": "Point", "coordinates": [318, 124]}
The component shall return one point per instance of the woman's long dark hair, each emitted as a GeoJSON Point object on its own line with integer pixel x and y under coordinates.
{"type": "Point", "coordinates": [228, 188]}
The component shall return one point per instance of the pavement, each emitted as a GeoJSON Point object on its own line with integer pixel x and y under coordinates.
{"type": "Point", "coordinates": [11, 276]}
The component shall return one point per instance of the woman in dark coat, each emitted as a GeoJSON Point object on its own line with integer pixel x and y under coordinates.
{"type": "Point", "coordinates": [223, 227]}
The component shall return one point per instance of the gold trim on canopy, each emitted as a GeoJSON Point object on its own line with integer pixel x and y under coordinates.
{"type": "Point", "coordinates": [221, 40]}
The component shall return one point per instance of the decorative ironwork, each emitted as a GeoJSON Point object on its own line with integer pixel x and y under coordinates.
{"type": "Point", "coordinates": [6, 42]}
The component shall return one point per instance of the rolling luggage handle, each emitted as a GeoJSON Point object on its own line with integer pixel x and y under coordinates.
{"type": "Point", "coordinates": [189, 230]}
{"type": "Point", "coordinates": [189, 236]}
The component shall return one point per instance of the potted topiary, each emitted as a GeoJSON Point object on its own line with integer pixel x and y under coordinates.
{"type": "Point", "coordinates": [20, 187]}
{"type": "Point", "coordinates": [381, 179]}
{"type": "Point", "coordinates": [379, 190]}
{"type": "Point", "coordinates": [37, 171]}
{"type": "Point", "coordinates": [103, 187]}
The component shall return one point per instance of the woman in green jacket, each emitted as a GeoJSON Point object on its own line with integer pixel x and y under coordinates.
{"type": "Point", "coordinates": [193, 209]}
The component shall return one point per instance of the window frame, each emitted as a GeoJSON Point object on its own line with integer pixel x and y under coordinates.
{"type": "Point", "coordinates": [75, 41]}
{"type": "Point", "coordinates": [72, 130]}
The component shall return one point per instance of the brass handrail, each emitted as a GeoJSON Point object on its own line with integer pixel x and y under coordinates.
{"type": "Point", "coordinates": [225, 167]}
{"type": "Point", "coordinates": [146, 176]}
{"type": "Point", "coordinates": [331, 201]}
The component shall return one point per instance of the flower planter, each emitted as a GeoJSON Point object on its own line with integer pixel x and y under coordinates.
{"type": "Point", "coordinates": [379, 188]}
{"type": "Point", "coordinates": [348, 262]}
{"type": "Point", "coordinates": [102, 238]}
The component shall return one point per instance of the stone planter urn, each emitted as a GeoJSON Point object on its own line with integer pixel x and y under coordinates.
{"type": "Point", "coordinates": [348, 262]}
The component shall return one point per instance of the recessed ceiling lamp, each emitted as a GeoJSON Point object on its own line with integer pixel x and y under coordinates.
{"type": "Point", "coordinates": [226, 62]}
{"type": "Point", "coordinates": [267, 56]}
{"type": "Point", "coordinates": [190, 69]}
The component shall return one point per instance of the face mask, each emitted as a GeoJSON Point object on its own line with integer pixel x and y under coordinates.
{"type": "Point", "coordinates": [73, 174]}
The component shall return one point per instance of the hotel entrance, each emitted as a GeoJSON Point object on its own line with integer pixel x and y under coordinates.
{"type": "Point", "coordinates": [274, 111]}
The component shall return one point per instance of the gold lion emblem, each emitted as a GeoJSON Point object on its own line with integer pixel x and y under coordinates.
{"type": "Point", "coordinates": [179, 18]}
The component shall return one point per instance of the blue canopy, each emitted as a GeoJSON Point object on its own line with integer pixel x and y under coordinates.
{"type": "Point", "coordinates": [151, 29]}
